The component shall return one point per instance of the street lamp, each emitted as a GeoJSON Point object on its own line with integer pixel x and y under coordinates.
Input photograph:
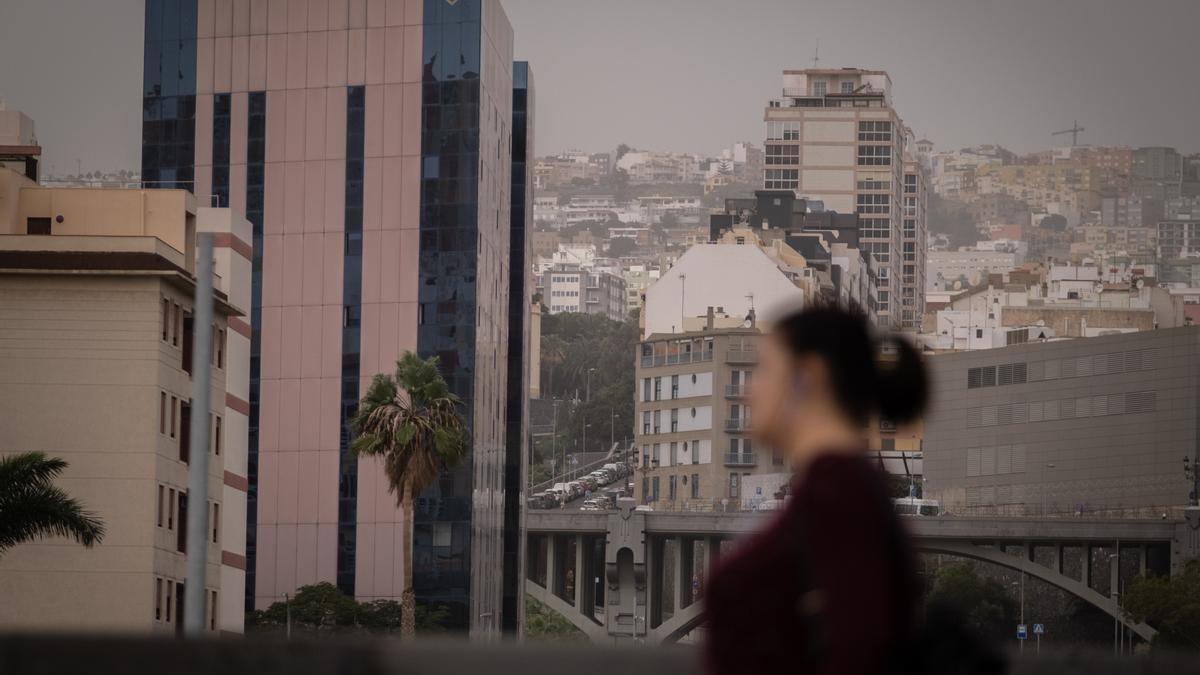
{"type": "Point", "coordinates": [588, 390]}
{"type": "Point", "coordinates": [1020, 642]}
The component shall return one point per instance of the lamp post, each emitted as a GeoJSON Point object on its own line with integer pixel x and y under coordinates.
{"type": "Point", "coordinates": [587, 396]}
{"type": "Point", "coordinates": [1114, 575]}
{"type": "Point", "coordinates": [612, 427]}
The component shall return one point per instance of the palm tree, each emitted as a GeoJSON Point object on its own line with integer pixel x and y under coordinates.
{"type": "Point", "coordinates": [412, 420]}
{"type": "Point", "coordinates": [32, 507]}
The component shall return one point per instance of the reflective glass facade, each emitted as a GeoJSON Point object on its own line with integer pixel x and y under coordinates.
{"type": "Point", "coordinates": [517, 403]}
{"type": "Point", "coordinates": [356, 109]}
{"type": "Point", "coordinates": [256, 154]}
{"type": "Point", "coordinates": [169, 94]}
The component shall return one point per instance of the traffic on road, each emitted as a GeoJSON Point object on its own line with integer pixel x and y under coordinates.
{"type": "Point", "coordinates": [599, 490]}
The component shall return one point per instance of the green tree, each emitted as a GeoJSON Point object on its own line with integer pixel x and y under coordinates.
{"type": "Point", "coordinates": [322, 609]}
{"type": "Point", "coordinates": [988, 607]}
{"type": "Point", "coordinates": [413, 421]}
{"type": "Point", "coordinates": [32, 507]}
{"type": "Point", "coordinates": [621, 246]}
{"type": "Point", "coordinates": [1170, 604]}
{"type": "Point", "coordinates": [543, 623]}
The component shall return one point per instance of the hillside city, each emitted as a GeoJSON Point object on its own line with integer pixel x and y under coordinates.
{"type": "Point", "coordinates": [341, 216]}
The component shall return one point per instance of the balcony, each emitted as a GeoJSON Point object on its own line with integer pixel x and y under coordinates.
{"type": "Point", "coordinates": [735, 390]}
{"type": "Point", "coordinates": [737, 424]}
{"type": "Point", "coordinates": [740, 459]}
{"type": "Point", "coordinates": [742, 355]}
{"type": "Point", "coordinates": [652, 361]}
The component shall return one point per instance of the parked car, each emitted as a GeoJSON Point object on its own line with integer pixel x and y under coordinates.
{"type": "Point", "coordinates": [590, 505]}
{"type": "Point", "coordinates": [539, 500]}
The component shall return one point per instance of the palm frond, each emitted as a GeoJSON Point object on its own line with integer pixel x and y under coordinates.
{"type": "Point", "coordinates": [31, 507]}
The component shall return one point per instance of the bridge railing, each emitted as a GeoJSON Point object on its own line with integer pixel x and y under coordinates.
{"type": "Point", "coordinates": [387, 656]}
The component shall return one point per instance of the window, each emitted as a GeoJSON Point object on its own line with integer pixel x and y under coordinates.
{"type": "Point", "coordinates": [674, 420]}
{"type": "Point", "coordinates": [188, 341]}
{"type": "Point", "coordinates": [847, 86]}
{"type": "Point", "coordinates": [674, 453]}
{"type": "Point", "coordinates": [185, 438]}
{"type": "Point", "coordinates": [733, 486]}
{"type": "Point", "coordinates": [645, 422]}
{"type": "Point", "coordinates": [657, 421]}
{"type": "Point", "coordinates": [874, 155]}
{"type": "Point", "coordinates": [174, 404]}
{"type": "Point", "coordinates": [212, 616]}
{"type": "Point", "coordinates": [166, 320]}
{"type": "Point", "coordinates": [658, 389]}
{"type": "Point", "coordinates": [181, 532]}
{"type": "Point", "coordinates": [782, 179]}
{"type": "Point", "coordinates": [171, 509]}
{"type": "Point", "coordinates": [646, 387]}
{"type": "Point", "coordinates": [170, 597]}
{"type": "Point", "coordinates": [216, 521]}
{"type": "Point", "coordinates": [37, 226]}
{"type": "Point", "coordinates": [783, 131]}
{"type": "Point", "coordinates": [654, 487]}
{"type": "Point", "coordinates": [695, 452]}
{"type": "Point", "coordinates": [176, 323]}
{"type": "Point", "coordinates": [159, 505]}
{"type": "Point", "coordinates": [875, 183]}
{"type": "Point", "coordinates": [874, 130]}
{"type": "Point", "coordinates": [674, 386]}
{"type": "Point", "coordinates": [782, 154]}
{"type": "Point", "coordinates": [162, 412]}
{"type": "Point", "coordinates": [219, 345]}
{"type": "Point", "coordinates": [695, 486]}
{"type": "Point", "coordinates": [217, 435]}
{"type": "Point", "coordinates": [874, 203]}
{"type": "Point", "coordinates": [158, 588]}
{"type": "Point", "coordinates": [671, 487]}
{"type": "Point", "coordinates": [820, 87]}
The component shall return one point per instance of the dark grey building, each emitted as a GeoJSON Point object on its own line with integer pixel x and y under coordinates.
{"type": "Point", "coordinates": [1098, 423]}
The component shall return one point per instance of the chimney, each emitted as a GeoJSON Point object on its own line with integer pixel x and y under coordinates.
{"type": "Point", "coordinates": [709, 320]}
{"type": "Point", "coordinates": [751, 317]}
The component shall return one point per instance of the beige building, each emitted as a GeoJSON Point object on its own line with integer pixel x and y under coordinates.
{"type": "Point", "coordinates": [692, 420]}
{"type": "Point", "coordinates": [834, 136]}
{"type": "Point", "coordinates": [96, 289]}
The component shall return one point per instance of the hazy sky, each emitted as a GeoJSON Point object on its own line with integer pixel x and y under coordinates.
{"type": "Point", "coordinates": [694, 75]}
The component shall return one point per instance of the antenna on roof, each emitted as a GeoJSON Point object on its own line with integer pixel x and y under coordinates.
{"type": "Point", "coordinates": [817, 54]}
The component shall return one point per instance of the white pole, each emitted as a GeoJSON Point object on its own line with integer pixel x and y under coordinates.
{"type": "Point", "coordinates": [197, 522]}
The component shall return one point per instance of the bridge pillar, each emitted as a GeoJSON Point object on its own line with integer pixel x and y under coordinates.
{"type": "Point", "coordinates": [552, 574]}
{"type": "Point", "coordinates": [625, 558]}
{"type": "Point", "coordinates": [684, 572]}
{"type": "Point", "coordinates": [1086, 567]}
{"type": "Point", "coordinates": [581, 579]}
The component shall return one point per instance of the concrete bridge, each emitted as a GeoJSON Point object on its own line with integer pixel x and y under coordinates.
{"type": "Point", "coordinates": [642, 572]}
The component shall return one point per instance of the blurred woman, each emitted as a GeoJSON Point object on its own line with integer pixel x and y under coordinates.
{"type": "Point", "coordinates": [828, 586]}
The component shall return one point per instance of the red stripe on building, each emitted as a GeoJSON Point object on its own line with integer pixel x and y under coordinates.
{"type": "Point", "coordinates": [237, 482]}
{"type": "Point", "coordinates": [234, 560]}
{"type": "Point", "coordinates": [240, 327]}
{"type": "Point", "coordinates": [227, 240]}
{"type": "Point", "coordinates": [237, 404]}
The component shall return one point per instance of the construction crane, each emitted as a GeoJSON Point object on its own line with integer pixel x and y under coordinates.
{"type": "Point", "coordinates": [1074, 131]}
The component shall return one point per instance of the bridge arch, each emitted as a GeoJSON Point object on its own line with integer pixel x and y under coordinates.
{"type": "Point", "coordinates": [1052, 577]}
{"type": "Point", "coordinates": [594, 630]}
{"type": "Point", "coordinates": [682, 623]}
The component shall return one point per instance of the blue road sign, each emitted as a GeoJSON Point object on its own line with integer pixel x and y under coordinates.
{"type": "Point", "coordinates": [1022, 633]}
{"type": "Point", "coordinates": [1039, 629]}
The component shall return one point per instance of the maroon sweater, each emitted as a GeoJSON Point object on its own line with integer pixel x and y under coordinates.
{"type": "Point", "coordinates": [841, 606]}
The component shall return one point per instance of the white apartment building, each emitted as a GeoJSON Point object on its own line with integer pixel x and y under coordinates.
{"type": "Point", "coordinates": [959, 270]}
{"type": "Point", "coordinates": [834, 136]}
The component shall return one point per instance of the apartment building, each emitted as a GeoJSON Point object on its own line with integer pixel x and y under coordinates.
{"type": "Point", "coordinates": [913, 238]}
{"type": "Point", "coordinates": [834, 136]}
{"type": "Point", "coordinates": [586, 289]}
{"type": "Point", "coordinates": [692, 435]}
{"type": "Point", "coordinates": [370, 146]}
{"type": "Point", "coordinates": [1066, 426]}
{"type": "Point", "coordinates": [96, 366]}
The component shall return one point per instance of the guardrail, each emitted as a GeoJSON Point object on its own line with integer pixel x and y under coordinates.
{"type": "Point", "coordinates": [740, 459]}
{"type": "Point", "coordinates": [735, 390]}
{"type": "Point", "coordinates": [386, 655]}
{"type": "Point", "coordinates": [737, 424]}
{"type": "Point", "coordinates": [676, 359]}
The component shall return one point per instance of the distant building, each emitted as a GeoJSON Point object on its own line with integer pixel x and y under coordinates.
{"type": "Point", "coordinates": [98, 288]}
{"type": "Point", "coordinates": [692, 437]}
{"type": "Point", "coordinates": [1065, 426]}
{"type": "Point", "coordinates": [962, 269]}
{"type": "Point", "coordinates": [834, 136]}
{"type": "Point", "coordinates": [581, 285]}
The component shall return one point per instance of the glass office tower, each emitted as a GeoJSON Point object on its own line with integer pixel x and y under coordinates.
{"type": "Point", "coordinates": [370, 145]}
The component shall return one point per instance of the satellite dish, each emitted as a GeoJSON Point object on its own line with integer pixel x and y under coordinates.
{"type": "Point", "coordinates": [1141, 283]}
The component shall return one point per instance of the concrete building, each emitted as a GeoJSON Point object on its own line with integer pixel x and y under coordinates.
{"type": "Point", "coordinates": [913, 238]}
{"type": "Point", "coordinates": [97, 287]}
{"type": "Point", "coordinates": [1096, 424]}
{"type": "Point", "coordinates": [962, 269]}
{"type": "Point", "coordinates": [369, 144]}
{"type": "Point", "coordinates": [588, 289]}
{"type": "Point", "coordinates": [834, 136]}
{"type": "Point", "coordinates": [692, 435]}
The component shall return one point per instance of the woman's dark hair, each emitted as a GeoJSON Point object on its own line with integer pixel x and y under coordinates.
{"type": "Point", "coordinates": [865, 379]}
